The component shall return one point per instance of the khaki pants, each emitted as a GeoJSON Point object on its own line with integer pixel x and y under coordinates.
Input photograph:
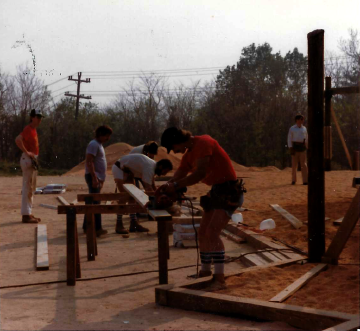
{"type": "Point", "coordinates": [299, 157]}
{"type": "Point", "coordinates": [29, 184]}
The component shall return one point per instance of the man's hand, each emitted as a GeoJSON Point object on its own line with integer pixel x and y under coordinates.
{"type": "Point", "coordinates": [95, 182]}
{"type": "Point", "coordinates": [31, 155]}
{"type": "Point", "coordinates": [168, 188]}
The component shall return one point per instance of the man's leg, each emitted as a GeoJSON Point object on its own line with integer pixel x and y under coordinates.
{"type": "Point", "coordinates": [304, 168]}
{"type": "Point", "coordinates": [205, 249]}
{"type": "Point", "coordinates": [119, 228]}
{"type": "Point", "coordinates": [294, 164]}
{"type": "Point", "coordinates": [88, 180]}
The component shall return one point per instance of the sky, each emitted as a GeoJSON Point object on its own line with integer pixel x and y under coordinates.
{"type": "Point", "coordinates": [112, 41]}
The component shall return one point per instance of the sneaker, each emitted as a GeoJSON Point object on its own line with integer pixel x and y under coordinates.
{"type": "Point", "coordinates": [119, 228]}
{"type": "Point", "coordinates": [101, 232]}
{"type": "Point", "coordinates": [29, 219]}
{"type": "Point", "coordinates": [136, 227]}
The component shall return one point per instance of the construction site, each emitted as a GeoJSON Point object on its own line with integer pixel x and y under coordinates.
{"type": "Point", "coordinates": [291, 250]}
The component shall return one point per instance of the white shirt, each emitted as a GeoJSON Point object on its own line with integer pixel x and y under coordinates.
{"type": "Point", "coordinates": [140, 165]}
{"type": "Point", "coordinates": [298, 135]}
{"type": "Point", "coordinates": [137, 150]}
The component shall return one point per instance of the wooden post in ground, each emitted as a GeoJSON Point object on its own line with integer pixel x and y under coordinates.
{"type": "Point", "coordinates": [316, 182]}
{"type": "Point", "coordinates": [90, 232]}
{"type": "Point", "coordinates": [78, 268]}
{"type": "Point", "coordinates": [356, 161]}
{"type": "Point", "coordinates": [328, 135]}
{"type": "Point", "coordinates": [71, 247]}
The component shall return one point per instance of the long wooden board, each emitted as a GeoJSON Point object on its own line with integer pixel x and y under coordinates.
{"type": "Point", "coordinates": [104, 196]}
{"type": "Point", "coordinates": [102, 209]}
{"type": "Point", "coordinates": [186, 220]}
{"type": "Point", "coordinates": [301, 317]}
{"type": "Point", "coordinates": [63, 201]}
{"type": "Point", "coordinates": [142, 199]}
{"type": "Point", "coordinates": [352, 325]}
{"type": "Point", "coordinates": [291, 289]}
{"type": "Point", "coordinates": [292, 219]}
{"type": "Point", "coordinates": [344, 231]}
{"type": "Point", "coordinates": [48, 206]}
{"type": "Point", "coordinates": [42, 254]}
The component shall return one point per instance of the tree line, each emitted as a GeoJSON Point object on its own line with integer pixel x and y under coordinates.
{"type": "Point", "coordinates": [248, 108]}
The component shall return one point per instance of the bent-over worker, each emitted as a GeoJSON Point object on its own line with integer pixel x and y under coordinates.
{"type": "Point", "coordinates": [210, 164]}
{"type": "Point", "coordinates": [140, 166]}
{"type": "Point", "coordinates": [298, 144]}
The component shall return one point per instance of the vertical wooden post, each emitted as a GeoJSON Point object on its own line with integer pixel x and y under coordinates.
{"type": "Point", "coordinates": [71, 247]}
{"type": "Point", "coordinates": [316, 183]}
{"type": "Point", "coordinates": [78, 268]}
{"type": "Point", "coordinates": [356, 161]}
{"type": "Point", "coordinates": [90, 232]}
{"type": "Point", "coordinates": [328, 138]}
{"type": "Point", "coordinates": [163, 251]}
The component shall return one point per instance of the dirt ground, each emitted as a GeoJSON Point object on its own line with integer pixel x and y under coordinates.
{"type": "Point", "coordinates": [127, 301]}
{"type": "Point", "coordinates": [327, 289]}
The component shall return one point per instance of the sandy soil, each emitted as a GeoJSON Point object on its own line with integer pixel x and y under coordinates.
{"type": "Point", "coordinates": [111, 303]}
{"type": "Point", "coordinates": [124, 302]}
{"type": "Point", "coordinates": [336, 288]}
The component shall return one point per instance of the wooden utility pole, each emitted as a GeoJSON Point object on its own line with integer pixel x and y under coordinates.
{"type": "Point", "coordinates": [328, 134]}
{"type": "Point", "coordinates": [78, 96]}
{"type": "Point", "coordinates": [316, 182]}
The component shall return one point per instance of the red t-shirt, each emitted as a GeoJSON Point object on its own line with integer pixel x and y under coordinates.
{"type": "Point", "coordinates": [30, 139]}
{"type": "Point", "coordinates": [220, 168]}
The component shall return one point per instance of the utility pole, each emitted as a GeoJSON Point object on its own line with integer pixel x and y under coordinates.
{"type": "Point", "coordinates": [78, 96]}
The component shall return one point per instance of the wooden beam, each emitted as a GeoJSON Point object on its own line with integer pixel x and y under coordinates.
{"type": "Point", "coordinates": [140, 197]}
{"type": "Point", "coordinates": [63, 201]}
{"type": "Point", "coordinates": [90, 236]}
{"type": "Point", "coordinates": [341, 137]}
{"type": "Point", "coordinates": [270, 257]}
{"type": "Point", "coordinates": [301, 317]}
{"type": "Point", "coordinates": [291, 289]}
{"type": "Point", "coordinates": [71, 247]}
{"type": "Point", "coordinates": [123, 196]}
{"type": "Point", "coordinates": [345, 90]}
{"type": "Point", "coordinates": [338, 221]}
{"type": "Point", "coordinates": [42, 254]}
{"type": "Point", "coordinates": [233, 237]}
{"type": "Point", "coordinates": [351, 325]}
{"type": "Point", "coordinates": [315, 152]}
{"type": "Point", "coordinates": [186, 220]}
{"type": "Point", "coordinates": [163, 247]}
{"type": "Point", "coordinates": [253, 260]}
{"type": "Point", "coordinates": [344, 231]}
{"type": "Point", "coordinates": [74, 202]}
{"type": "Point", "coordinates": [102, 209]}
{"type": "Point", "coordinates": [48, 206]}
{"type": "Point", "coordinates": [292, 219]}
{"type": "Point", "coordinates": [327, 132]}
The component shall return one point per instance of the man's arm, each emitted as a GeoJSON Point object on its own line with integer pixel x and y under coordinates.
{"type": "Point", "coordinates": [290, 139]}
{"type": "Point", "coordinates": [19, 141]}
{"type": "Point", "coordinates": [179, 174]}
{"type": "Point", "coordinates": [199, 174]}
{"type": "Point", "coordinates": [90, 164]}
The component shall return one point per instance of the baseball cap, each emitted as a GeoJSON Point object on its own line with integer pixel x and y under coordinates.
{"type": "Point", "coordinates": [36, 112]}
{"type": "Point", "coordinates": [170, 137]}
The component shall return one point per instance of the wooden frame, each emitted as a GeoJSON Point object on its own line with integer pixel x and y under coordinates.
{"type": "Point", "coordinates": [191, 296]}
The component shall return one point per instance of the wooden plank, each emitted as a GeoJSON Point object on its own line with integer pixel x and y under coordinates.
{"type": "Point", "coordinates": [186, 220]}
{"type": "Point", "coordinates": [102, 209]}
{"type": "Point", "coordinates": [159, 214]}
{"type": "Point", "coordinates": [108, 203]}
{"type": "Point", "coordinates": [301, 317]}
{"type": "Point", "coordinates": [345, 229]}
{"type": "Point", "coordinates": [351, 325]}
{"type": "Point", "coordinates": [270, 257]}
{"type": "Point", "coordinates": [90, 237]}
{"type": "Point", "coordinates": [233, 237]}
{"type": "Point", "coordinates": [42, 254]}
{"type": "Point", "coordinates": [74, 202]}
{"type": "Point", "coordinates": [77, 251]}
{"type": "Point", "coordinates": [345, 90]}
{"type": "Point", "coordinates": [291, 289]}
{"type": "Point", "coordinates": [341, 137]}
{"type": "Point", "coordinates": [338, 221]}
{"type": "Point", "coordinates": [163, 246]}
{"type": "Point", "coordinates": [140, 197]}
{"type": "Point", "coordinates": [48, 206]}
{"type": "Point", "coordinates": [63, 201]}
{"type": "Point", "coordinates": [253, 260]}
{"type": "Point", "coordinates": [292, 219]}
{"type": "Point", "coordinates": [122, 196]}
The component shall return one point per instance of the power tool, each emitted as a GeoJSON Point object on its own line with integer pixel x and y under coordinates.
{"type": "Point", "coordinates": [163, 200]}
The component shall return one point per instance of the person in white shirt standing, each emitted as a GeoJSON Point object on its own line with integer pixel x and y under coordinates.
{"type": "Point", "coordinates": [137, 166]}
{"type": "Point", "coordinates": [298, 144]}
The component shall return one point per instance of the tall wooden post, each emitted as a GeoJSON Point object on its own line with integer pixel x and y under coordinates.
{"type": "Point", "coordinates": [328, 134]}
{"type": "Point", "coordinates": [316, 182]}
{"type": "Point", "coordinates": [71, 247]}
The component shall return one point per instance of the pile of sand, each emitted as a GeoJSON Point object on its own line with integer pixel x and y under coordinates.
{"type": "Point", "coordinates": [116, 151]}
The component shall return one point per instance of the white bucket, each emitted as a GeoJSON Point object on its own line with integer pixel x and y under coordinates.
{"type": "Point", "coordinates": [267, 224]}
{"type": "Point", "coordinates": [237, 218]}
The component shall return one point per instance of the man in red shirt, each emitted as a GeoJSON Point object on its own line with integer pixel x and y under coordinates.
{"type": "Point", "coordinates": [28, 142]}
{"type": "Point", "coordinates": [208, 163]}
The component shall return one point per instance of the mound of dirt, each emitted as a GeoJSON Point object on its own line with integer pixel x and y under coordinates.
{"type": "Point", "coordinates": [116, 151]}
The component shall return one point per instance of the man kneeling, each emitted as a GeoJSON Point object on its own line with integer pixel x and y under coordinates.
{"type": "Point", "coordinates": [137, 166]}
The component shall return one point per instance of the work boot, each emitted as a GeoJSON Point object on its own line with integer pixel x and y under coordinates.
{"type": "Point", "coordinates": [120, 228]}
{"type": "Point", "coordinates": [37, 218]}
{"type": "Point", "coordinates": [136, 227]}
{"type": "Point", "coordinates": [101, 232]}
{"type": "Point", "coordinates": [29, 219]}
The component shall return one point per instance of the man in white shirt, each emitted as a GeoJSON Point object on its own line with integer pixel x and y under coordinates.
{"type": "Point", "coordinates": [298, 144]}
{"type": "Point", "coordinates": [140, 166]}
